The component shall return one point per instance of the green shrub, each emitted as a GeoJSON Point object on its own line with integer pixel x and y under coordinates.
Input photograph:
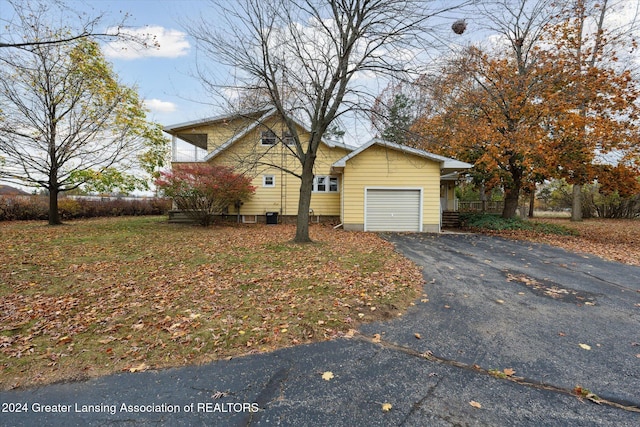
{"type": "Point", "coordinates": [497, 223]}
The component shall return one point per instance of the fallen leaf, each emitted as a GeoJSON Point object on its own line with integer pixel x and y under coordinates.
{"type": "Point", "coordinates": [350, 333]}
{"type": "Point", "coordinates": [386, 407]}
{"type": "Point", "coordinates": [65, 340]}
{"type": "Point", "coordinates": [424, 300]}
{"type": "Point", "coordinates": [327, 376]}
{"type": "Point", "coordinates": [417, 335]}
{"type": "Point", "coordinates": [139, 368]}
{"type": "Point", "coordinates": [376, 338]}
{"type": "Point", "coordinates": [585, 346]}
{"type": "Point", "coordinates": [475, 404]}
{"type": "Point", "coordinates": [509, 371]}
{"type": "Point", "coordinates": [219, 394]}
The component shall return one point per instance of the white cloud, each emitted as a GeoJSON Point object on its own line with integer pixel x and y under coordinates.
{"type": "Point", "coordinates": [159, 106]}
{"type": "Point", "coordinates": [159, 42]}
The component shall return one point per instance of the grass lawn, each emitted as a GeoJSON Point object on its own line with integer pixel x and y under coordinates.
{"type": "Point", "coordinates": [98, 296]}
{"type": "Point", "coordinates": [612, 239]}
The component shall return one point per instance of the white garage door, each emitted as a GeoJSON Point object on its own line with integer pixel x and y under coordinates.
{"type": "Point", "coordinates": [392, 210]}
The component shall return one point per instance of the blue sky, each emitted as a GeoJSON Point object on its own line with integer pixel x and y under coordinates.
{"type": "Point", "coordinates": [164, 75]}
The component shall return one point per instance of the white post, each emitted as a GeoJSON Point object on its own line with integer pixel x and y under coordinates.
{"type": "Point", "coordinates": [174, 148]}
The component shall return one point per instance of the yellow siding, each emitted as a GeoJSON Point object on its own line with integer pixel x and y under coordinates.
{"type": "Point", "coordinates": [282, 198]}
{"type": "Point", "coordinates": [383, 167]}
{"type": "Point", "coordinates": [222, 132]}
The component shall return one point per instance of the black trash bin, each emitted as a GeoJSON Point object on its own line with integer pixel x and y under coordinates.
{"type": "Point", "coordinates": [272, 217]}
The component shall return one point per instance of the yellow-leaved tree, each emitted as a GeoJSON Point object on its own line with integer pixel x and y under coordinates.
{"type": "Point", "coordinates": [66, 117]}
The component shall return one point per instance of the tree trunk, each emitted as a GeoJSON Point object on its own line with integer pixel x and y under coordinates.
{"type": "Point", "coordinates": [483, 197]}
{"type": "Point", "coordinates": [510, 203]}
{"type": "Point", "coordinates": [576, 208]}
{"type": "Point", "coordinates": [302, 221]}
{"type": "Point", "coordinates": [54, 215]}
{"type": "Point", "coordinates": [532, 201]}
{"type": "Point", "coordinates": [512, 192]}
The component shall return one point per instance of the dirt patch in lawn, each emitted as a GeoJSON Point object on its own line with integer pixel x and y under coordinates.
{"type": "Point", "coordinates": [612, 239]}
{"type": "Point", "coordinates": [130, 294]}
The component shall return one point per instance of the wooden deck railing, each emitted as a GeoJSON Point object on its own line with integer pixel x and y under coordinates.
{"type": "Point", "coordinates": [477, 206]}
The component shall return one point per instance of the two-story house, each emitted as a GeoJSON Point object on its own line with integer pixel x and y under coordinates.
{"type": "Point", "coordinates": [378, 186]}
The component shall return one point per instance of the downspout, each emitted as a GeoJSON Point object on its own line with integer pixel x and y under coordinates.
{"type": "Point", "coordinates": [282, 186]}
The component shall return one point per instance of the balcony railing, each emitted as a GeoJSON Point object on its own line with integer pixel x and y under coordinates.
{"type": "Point", "coordinates": [191, 155]}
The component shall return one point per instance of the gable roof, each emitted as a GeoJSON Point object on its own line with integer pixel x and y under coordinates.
{"type": "Point", "coordinates": [447, 164]}
{"type": "Point", "coordinates": [171, 129]}
{"type": "Point", "coordinates": [228, 143]}
{"type": "Point", "coordinates": [258, 116]}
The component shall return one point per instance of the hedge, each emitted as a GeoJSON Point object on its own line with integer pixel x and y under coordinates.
{"type": "Point", "coordinates": [37, 207]}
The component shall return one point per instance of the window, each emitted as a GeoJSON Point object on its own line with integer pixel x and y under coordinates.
{"type": "Point", "coordinates": [333, 184]}
{"type": "Point", "coordinates": [288, 139]}
{"type": "Point", "coordinates": [268, 138]}
{"type": "Point", "coordinates": [325, 184]}
{"type": "Point", "coordinates": [268, 181]}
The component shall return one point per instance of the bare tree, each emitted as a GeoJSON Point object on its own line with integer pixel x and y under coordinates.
{"type": "Point", "coordinates": [308, 56]}
{"type": "Point", "coordinates": [41, 13]}
{"type": "Point", "coordinates": [63, 113]}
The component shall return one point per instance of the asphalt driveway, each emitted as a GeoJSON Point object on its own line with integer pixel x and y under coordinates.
{"type": "Point", "coordinates": [554, 320]}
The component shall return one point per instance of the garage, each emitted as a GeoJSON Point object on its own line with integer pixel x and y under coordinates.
{"type": "Point", "coordinates": [393, 209]}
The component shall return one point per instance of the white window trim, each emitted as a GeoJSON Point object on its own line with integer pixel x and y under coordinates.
{"type": "Point", "coordinates": [264, 181]}
{"type": "Point", "coordinates": [327, 184]}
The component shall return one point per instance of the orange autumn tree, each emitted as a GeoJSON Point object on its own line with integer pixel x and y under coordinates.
{"type": "Point", "coordinates": [595, 110]}
{"type": "Point", "coordinates": [489, 114]}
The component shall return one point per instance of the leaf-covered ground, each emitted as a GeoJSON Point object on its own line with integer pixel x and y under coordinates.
{"type": "Point", "coordinates": [100, 296]}
{"type": "Point", "coordinates": [612, 239]}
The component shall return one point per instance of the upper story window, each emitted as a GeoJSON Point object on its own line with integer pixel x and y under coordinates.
{"type": "Point", "coordinates": [288, 139]}
{"type": "Point", "coordinates": [268, 138]}
{"type": "Point", "coordinates": [325, 184]}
